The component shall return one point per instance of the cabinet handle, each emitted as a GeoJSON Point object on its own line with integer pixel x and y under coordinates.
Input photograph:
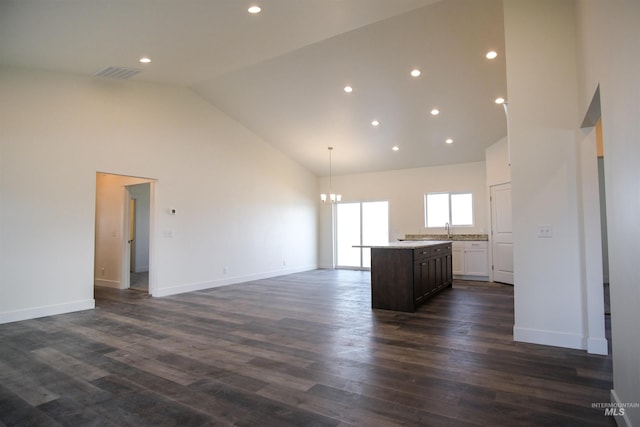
{"type": "Point", "coordinates": [424, 263]}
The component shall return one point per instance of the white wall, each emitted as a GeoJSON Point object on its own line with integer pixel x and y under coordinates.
{"type": "Point", "coordinates": [543, 114]}
{"type": "Point", "coordinates": [241, 204]}
{"type": "Point", "coordinates": [610, 57]}
{"type": "Point", "coordinates": [497, 163]}
{"type": "Point", "coordinates": [405, 189]}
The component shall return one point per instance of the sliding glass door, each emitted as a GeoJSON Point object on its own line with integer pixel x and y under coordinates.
{"type": "Point", "coordinates": [360, 223]}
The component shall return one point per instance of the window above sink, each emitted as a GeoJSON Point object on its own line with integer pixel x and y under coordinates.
{"type": "Point", "coordinates": [448, 209]}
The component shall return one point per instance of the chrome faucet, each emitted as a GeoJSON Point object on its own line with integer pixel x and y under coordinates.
{"type": "Point", "coordinates": [448, 228]}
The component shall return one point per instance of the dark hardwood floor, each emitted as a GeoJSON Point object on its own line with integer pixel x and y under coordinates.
{"type": "Point", "coordinates": [303, 350]}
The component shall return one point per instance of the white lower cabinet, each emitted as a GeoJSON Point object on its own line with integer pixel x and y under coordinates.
{"type": "Point", "coordinates": [457, 249]}
{"type": "Point", "coordinates": [470, 259]}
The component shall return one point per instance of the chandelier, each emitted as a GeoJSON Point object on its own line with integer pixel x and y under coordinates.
{"type": "Point", "coordinates": [333, 198]}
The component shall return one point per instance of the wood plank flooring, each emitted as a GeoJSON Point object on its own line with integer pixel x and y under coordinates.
{"type": "Point", "coordinates": [301, 350]}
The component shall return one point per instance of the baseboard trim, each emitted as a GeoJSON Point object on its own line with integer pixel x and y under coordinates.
{"type": "Point", "coordinates": [47, 310]}
{"type": "Point", "coordinates": [199, 286]}
{"type": "Point", "coordinates": [474, 278]}
{"type": "Point", "coordinates": [597, 346]}
{"type": "Point", "coordinates": [107, 283]}
{"type": "Point", "coordinates": [552, 338]}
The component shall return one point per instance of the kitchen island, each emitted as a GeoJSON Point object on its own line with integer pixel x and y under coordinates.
{"type": "Point", "coordinates": [406, 274]}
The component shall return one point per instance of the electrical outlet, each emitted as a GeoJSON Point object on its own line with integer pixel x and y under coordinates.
{"type": "Point", "coordinates": [545, 230]}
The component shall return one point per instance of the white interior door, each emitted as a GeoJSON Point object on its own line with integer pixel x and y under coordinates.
{"type": "Point", "coordinates": [132, 234]}
{"type": "Point", "coordinates": [501, 233]}
{"type": "Point", "coordinates": [125, 273]}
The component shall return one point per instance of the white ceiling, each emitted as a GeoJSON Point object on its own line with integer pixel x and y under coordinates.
{"type": "Point", "coordinates": [281, 73]}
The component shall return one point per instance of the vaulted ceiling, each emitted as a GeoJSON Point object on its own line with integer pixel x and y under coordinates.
{"type": "Point", "coordinates": [281, 73]}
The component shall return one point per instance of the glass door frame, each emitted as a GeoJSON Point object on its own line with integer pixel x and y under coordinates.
{"type": "Point", "coordinates": [360, 232]}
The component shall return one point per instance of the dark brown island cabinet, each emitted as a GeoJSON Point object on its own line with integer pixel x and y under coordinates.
{"type": "Point", "coordinates": [406, 274]}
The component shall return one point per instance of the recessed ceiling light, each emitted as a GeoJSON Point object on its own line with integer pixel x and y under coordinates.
{"type": "Point", "coordinates": [435, 112]}
{"type": "Point", "coordinates": [145, 60]}
{"type": "Point", "coordinates": [491, 54]}
{"type": "Point", "coordinates": [395, 148]}
{"type": "Point", "coordinates": [449, 141]}
{"type": "Point", "coordinates": [415, 72]}
{"type": "Point", "coordinates": [499, 101]}
{"type": "Point", "coordinates": [254, 9]}
{"type": "Point", "coordinates": [348, 89]}
{"type": "Point", "coordinates": [375, 123]}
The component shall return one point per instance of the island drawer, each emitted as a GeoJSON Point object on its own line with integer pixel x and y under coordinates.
{"type": "Point", "coordinates": [421, 253]}
{"type": "Point", "coordinates": [440, 250]}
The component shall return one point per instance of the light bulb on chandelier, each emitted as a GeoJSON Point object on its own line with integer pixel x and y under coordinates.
{"type": "Point", "coordinates": [333, 198]}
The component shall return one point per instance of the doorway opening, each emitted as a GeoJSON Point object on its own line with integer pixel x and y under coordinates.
{"type": "Point", "coordinates": [603, 216]}
{"type": "Point", "coordinates": [593, 119]}
{"type": "Point", "coordinates": [594, 224]}
{"type": "Point", "coordinates": [123, 233]}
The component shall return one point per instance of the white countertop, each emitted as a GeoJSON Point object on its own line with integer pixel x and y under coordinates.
{"type": "Point", "coordinates": [405, 244]}
{"type": "Point", "coordinates": [452, 237]}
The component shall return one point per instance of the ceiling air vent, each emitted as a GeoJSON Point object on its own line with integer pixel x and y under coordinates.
{"type": "Point", "coordinates": [118, 73]}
